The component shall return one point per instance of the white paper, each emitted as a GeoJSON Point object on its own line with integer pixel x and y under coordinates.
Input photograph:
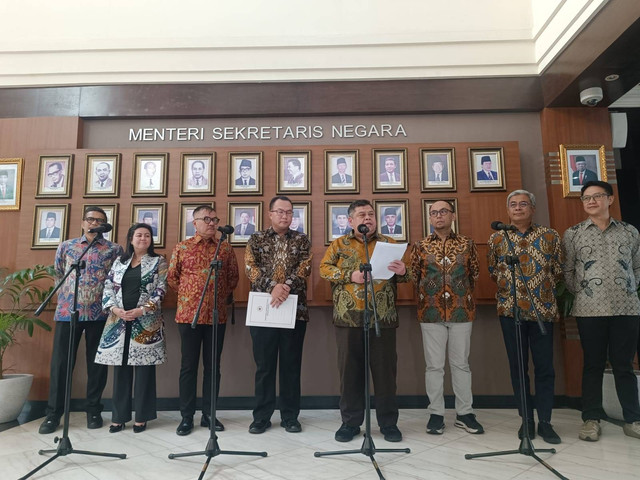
{"type": "Point", "coordinates": [383, 255]}
{"type": "Point", "coordinates": [261, 314]}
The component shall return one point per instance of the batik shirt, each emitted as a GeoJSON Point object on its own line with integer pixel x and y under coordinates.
{"type": "Point", "coordinates": [98, 263]}
{"type": "Point", "coordinates": [445, 273]}
{"type": "Point", "coordinates": [540, 253]}
{"type": "Point", "coordinates": [603, 268]}
{"type": "Point", "coordinates": [273, 259]}
{"type": "Point", "coordinates": [342, 258]}
{"type": "Point", "coordinates": [188, 272]}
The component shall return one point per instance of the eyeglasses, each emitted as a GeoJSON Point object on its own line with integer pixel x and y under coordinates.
{"type": "Point", "coordinates": [519, 204]}
{"type": "Point", "coordinates": [51, 174]}
{"type": "Point", "coordinates": [596, 197]}
{"type": "Point", "coordinates": [95, 220]}
{"type": "Point", "coordinates": [209, 220]}
{"type": "Point", "coordinates": [442, 212]}
{"type": "Point", "coordinates": [282, 213]}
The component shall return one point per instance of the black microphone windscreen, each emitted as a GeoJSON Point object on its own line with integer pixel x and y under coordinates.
{"type": "Point", "coordinates": [496, 225]}
{"type": "Point", "coordinates": [363, 229]}
{"type": "Point", "coordinates": [228, 229]}
{"type": "Point", "coordinates": [104, 228]}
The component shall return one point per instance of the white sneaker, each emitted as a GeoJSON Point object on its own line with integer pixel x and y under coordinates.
{"type": "Point", "coordinates": [590, 431]}
{"type": "Point", "coordinates": [632, 429]}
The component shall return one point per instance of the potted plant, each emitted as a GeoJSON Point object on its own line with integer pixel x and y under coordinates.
{"type": "Point", "coordinates": [20, 294]}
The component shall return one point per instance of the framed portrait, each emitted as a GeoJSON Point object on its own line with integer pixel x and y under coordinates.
{"type": "Point", "coordinates": [187, 229]}
{"type": "Point", "coordinates": [581, 164]}
{"type": "Point", "coordinates": [336, 222]}
{"type": "Point", "coordinates": [301, 220]}
{"type": "Point", "coordinates": [437, 170]}
{"type": "Point", "coordinates": [486, 169]}
{"type": "Point", "coordinates": [50, 226]}
{"type": "Point", "coordinates": [10, 183]}
{"type": "Point", "coordinates": [112, 219]}
{"type": "Point", "coordinates": [341, 173]}
{"type": "Point", "coordinates": [153, 214]}
{"type": "Point", "coordinates": [246, 219]}
{"type": "Point", "coordinates": [427, 229]}
{"type": "Point", "coordinates": [294, 172]}
{"type": "Point", "coordinates": [245, 173]}
{"type": "Point", "coordinates": [150, 174]}
{"type": "Point", "coordinates": [102, 176]}
{"type": "Point", "coordinates": [390, 170]}
{"type": "Point", "coordinates": [54, 176]}
{"type": "Point", "coordinates": [392, 217]}
{"type": "Point", "coordinates": [197, 174]}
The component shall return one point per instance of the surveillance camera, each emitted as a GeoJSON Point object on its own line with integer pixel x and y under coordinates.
{"type": "Point", "coordinates": [591, 96]}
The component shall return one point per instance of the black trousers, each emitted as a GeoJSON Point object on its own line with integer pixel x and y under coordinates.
{"type": "Point", "coordinates": [270, 346]}
{"type": "Point", "coordinates": [541, 347]}
{"type": "Point", "coordinates": [383, 361]}
{"type": "Point", "coordinates": [143, 386]}
{"type": "Point", "coordinates": [619, 336]}
{"type": "Point", "coordinates": [191, 340]}
{"type": "Point", "coordinates": [96, 373]}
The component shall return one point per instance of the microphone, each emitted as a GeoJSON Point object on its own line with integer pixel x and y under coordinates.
{"type": "Point", "coordinates": [104, 228]}
{"type": "Point", "coordinates": [498, 225]}
{"type": "Point", "coordinates": [363, 229]}
{"type": "Point", "coordinates": [227, 229]}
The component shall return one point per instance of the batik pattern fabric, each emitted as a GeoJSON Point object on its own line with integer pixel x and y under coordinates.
{"type": "Point", "coordinates": [539, 251]}
{"type": "Point", "coordinates": [342, 258]}
{"type": "Point", "coordinates": [445, 272]}
{"type": "Point", "coordinates": [147, 344]}
{"type": "Point", "coordinates": [602, 268]}
{"type": "Point", "coordinates": [273, 259]}
{"type": "Point", "coordinates": [98, 260]}
{"type": "Point", "coordinates": [188, 272]}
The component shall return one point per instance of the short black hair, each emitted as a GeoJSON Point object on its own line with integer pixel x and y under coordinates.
{"type": "Point", "coordinates": [128, 250]}
{"type": "Point", "coordinates": [445, 201]}
{"type": "Point", "coordinates": [358, 203]}
{"type": "Point", "coordinates": [203, 207]}
{"type": "Point", "coordinates": [94, 208]}
{"type": "Point", "coordinates": [597, 183]}
{"type": "Point", "coordinates": [279, 197]}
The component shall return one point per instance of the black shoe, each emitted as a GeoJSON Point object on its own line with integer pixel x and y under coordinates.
{"type": "Point", "coordinates": [391, 433]}
{"type": "Point", "coordinates": [291, 426]}
{"type": "Point", "coordinates": [435, 426]}
{"type": "Point", "coordinates": [94, 420]}
{"type": "Point", "coordinates": [259, 426]}
{"type": "Point", "coordinates": [469, 423]}
{"type": "Point", "coordinates": [346, 433]}
{"type": "Point", "coordinates": [115, 428]}
{"type": "Point", "coordinates": [185, 427]}
{"type": "Point", "coordinates": [532, 430]}
{"type": "Point", "coordinates": [139, 428]}
{"type": "Point", "coordinates": [50, 424]}
{"type": "Point", "coordinates": [205, 421]}
{"type": "Point", "coordinates": [219, 426]}
{"type": "Point", "coordinates": [548, 434]}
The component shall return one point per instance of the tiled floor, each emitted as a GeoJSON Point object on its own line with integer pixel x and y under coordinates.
{"type": "Point", "coordinates": [290, 456]}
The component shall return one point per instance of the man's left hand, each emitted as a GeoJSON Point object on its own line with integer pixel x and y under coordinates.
{"type": "Point", "coordinates": [398, 267]}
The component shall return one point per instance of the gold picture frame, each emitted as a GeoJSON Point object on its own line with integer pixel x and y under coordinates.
{"type": "Point", "coordinates": [594, 166]}
{"type": "Point", "coordinates": [10, 183]}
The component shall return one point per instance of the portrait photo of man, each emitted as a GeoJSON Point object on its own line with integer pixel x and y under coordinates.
{"type": "Point", "coordinates": [294, 176]}
{"type": "Point", "coordinates": [148, 218]}
{"type": "Point", "coordinates": [341, 177]}
{"type": "Point", "coordinates": [389, 166]}
{"type": "Point", "coordinates": [150, 176]}
{"type": "Point", "coordinates": [582, 174]}
{"type": "Point", "coordinates": [6, 187]}
{"type": "Point", "coordinates": [486, 172]}
{"type": "Point", "coordinates": [50, 232]}
{"type": "Point", "coordinates": [245, 227]}
{"type": "Point", "coordinates": [197, 176]}
{"type": "Point", "coordinates": [389, 222]}
{"type": "Point", "coordinates": [245, 179]}
{"type": "Point", "coordinates": [438, 172]}
{"type": "Point", "coordinates": [297, 222]}
{"type": "Point", "coordinates": [341, 223]}
{"type": "Point", "coordinates": [55, 176]}
{"type": "Point", "coordinates": [102, 177]}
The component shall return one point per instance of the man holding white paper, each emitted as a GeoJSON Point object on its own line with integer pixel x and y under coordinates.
{"type": "Point", "coordinates": [340, 266]}
{"type": "Point", "coordinates": [278, 262]}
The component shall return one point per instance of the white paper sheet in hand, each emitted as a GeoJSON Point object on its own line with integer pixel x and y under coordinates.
{"type": "Point", "coordinates": [261, 314]}
{"type": "Point", "coordinates": [383, 255]}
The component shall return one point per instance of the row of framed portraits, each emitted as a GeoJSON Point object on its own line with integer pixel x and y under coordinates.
{"type": "Point", "coordinates": [293, 172]}
{"type": "Point", "coordinates": [51, 222]}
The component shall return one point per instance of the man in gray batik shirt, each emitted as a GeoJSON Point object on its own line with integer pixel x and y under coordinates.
{"type": "Point", "coordinates": [602, 269]}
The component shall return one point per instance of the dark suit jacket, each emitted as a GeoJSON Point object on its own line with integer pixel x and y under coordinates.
{"type": "Point", "coordinates": [444, 176]}
{"type": "Point", "coordinates": [336, 231]}
{"type": "Point", "coordinates": [252, 181]}
{"type": "Point", "coordinates": [385, 178]}
{"type": "Point", "coordinates": [482, 176]}
{"type": "Point", "coordinates": [54, 234]}
{"type": "Point", "coordinates": [589, 176]}
{"type": "Point", "coordinates": [251, 228]}
{"type": "Point", "coordinates": [336, 178]}
{"type": "Point", "coordinates": [397, 230]}
{"type": "Point", "coordinates": [8, 194]}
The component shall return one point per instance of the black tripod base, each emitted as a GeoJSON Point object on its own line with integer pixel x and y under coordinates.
{"type": "Point", "coordinates": [213, 450]}
{"type": "Point", "coordinates": [525, 448]}
{"type": "Point", "coordinates": [368, 449]}
{"type": "Point", "coordinates": [65, 448]}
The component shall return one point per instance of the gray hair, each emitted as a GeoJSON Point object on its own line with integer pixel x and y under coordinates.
{"type": "Point", "coordinates": [532, 197]}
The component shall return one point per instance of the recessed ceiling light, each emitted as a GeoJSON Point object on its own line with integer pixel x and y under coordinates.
{"type": "Point", "coordinates": [612, 78]}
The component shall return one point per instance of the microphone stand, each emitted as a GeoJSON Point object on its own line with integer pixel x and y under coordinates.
{"type": "Point", "coordinates": [213, 448]}
{"type": "Point", "coordinates": [64, 444]}
{"type": "Point", "coordinates": [526, 445]}
{"type": "Point", "coordinates": [368, 448]}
